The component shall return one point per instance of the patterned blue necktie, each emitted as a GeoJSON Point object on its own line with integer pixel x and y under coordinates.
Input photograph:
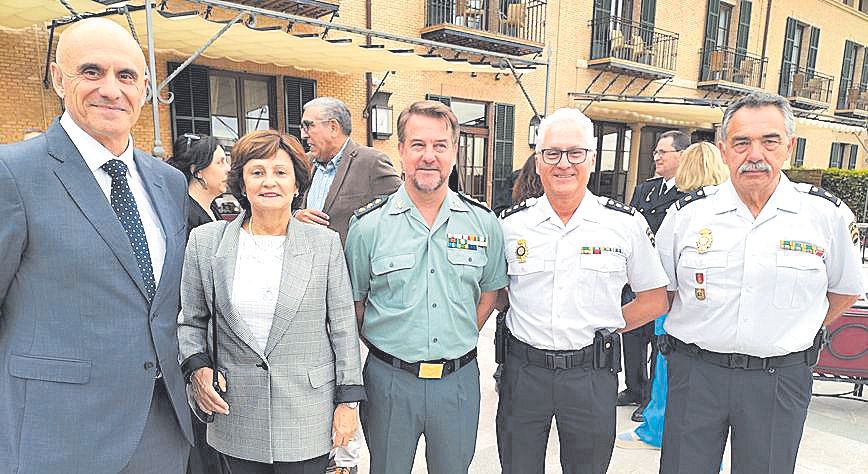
{"type": "Point", "coordinates": [125, 207]}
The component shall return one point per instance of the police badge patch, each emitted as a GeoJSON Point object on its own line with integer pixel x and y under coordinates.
{"type": "Point", "coordinates": [854, 233]}
{"type": "Point", "coordinates": [650, 235]}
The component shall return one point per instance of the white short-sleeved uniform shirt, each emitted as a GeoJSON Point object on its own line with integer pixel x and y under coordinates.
{"type": "Point", "coordinates": [757, 286]}
{"type": "Point", "coordinates": [565, 280]}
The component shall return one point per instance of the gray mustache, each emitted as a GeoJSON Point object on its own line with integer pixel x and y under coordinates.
{"type": "Point", "coordinates": [758, 166]}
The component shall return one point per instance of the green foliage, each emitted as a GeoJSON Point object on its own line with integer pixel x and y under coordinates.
{"type": "Point", "coordinates": [849, 185]}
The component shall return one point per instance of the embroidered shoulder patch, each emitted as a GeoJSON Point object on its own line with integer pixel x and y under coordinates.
{"type": "Point", "coordinates": [620, 206]}
{"type": "Point", "coordinates": [694, 196]}
{"type": "Point", "coordinates": [379, 201]}
{"type": "Point", "coordinates": [517, 207]}
{"type": "Point", "coordinates": [819, 192]}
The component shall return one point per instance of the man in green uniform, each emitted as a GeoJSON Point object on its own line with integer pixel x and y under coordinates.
{"type": "Point", "coordinates": [425, 264]}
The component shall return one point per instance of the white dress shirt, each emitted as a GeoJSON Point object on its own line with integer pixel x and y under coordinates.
{"type": "Point", "coordinates": [756, 286]}
{"type": "Point", "coordinates": [95, 155]}
{"type": "Point", "coordinates": [570, 282]}
{"type": "Point", "coordinates": [256, 282]}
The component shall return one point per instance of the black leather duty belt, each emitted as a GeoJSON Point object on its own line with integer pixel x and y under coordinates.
{"type": "Point", "coordinates": [433, 369]}
{"type": "Point", "coordinates": [583, 358]}
{"type": "Point", "coordinates": [736, 360]}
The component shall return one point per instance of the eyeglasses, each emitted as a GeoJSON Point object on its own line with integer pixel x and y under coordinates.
{"type": "Point", "coordinates": [575, 156]}
{"type": "Point", "coordinates": [662, 152]}
{"type": "Point", "coordinates": [306, 124]}
{"type": "Point", "coordinates": [742, 145]}
{"type": "Point", "coordinates": [190, 137]}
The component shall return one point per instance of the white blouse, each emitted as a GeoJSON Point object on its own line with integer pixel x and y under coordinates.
{"type": "Point", "coordinates": [256, 282]}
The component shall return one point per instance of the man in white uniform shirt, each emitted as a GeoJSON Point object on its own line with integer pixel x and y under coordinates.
{"type": "Point", "coordinates": [757, 266]}
{"type": "Point", "coordinates": [569, 254]}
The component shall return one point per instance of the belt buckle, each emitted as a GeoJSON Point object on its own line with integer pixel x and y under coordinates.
{"type": "Point", "coordinates": [556, 361]}
{"type": "Point", "coordinates": [428, 370]}
{"type": "Point", "coordinates": [738, 361]}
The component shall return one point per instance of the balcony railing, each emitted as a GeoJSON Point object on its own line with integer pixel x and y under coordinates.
{"type": "Point", "coordinates": [800, 83]}
{"type": "Point", "coordinates": [520, 19]}
{"type": "Point", "coordinates": [308, 8]}
{"type": "Point", "coordinates": [855, 99]}
{"type": "Point", "coordinates": [619, 38]}
{"type": "Point", "coordinates": [731, 65]}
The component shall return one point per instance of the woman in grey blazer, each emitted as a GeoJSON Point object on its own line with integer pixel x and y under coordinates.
{"type": "Point", "coordinates": [286, 329]}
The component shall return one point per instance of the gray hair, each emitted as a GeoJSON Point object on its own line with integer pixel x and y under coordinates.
{"type": "Point", "coordinates": [563, 115]}
{"type": "Point", "coordinates": [680, 140]}
{"type": "Point", "coordinates": [332, 108]}
{"type": "Point", "coordinates": [756, 100]}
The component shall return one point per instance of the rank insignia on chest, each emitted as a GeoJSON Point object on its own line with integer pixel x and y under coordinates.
{"type": "Point", "coordinates": [854, 233]}
{"type": "Point", "coordinates": [521, 251]}
{"type": "Point", "coordinates": [700, 293]}
{"type": "Point", "coordinates": [800, 246]}
{"type": "Point", "coordinates": [600, 250]}
{"type": "Point", "coordinates": [703, 242]}
{"type": "Point", "coordinates": [465, 241]}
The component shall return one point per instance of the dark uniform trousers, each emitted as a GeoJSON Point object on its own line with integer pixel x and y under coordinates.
{"type": "Point", "coordinates": [581, 400]}
{"type": "Point", "coordinates": [765, 408]}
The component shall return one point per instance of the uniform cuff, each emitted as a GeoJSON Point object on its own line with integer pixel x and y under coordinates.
{"type": "Point", "coordinates": [193, 363]}
{"type": "Point", "coordinates": [350, 393]}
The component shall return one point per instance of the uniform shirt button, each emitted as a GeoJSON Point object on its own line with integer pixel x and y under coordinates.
{"type": "Point", "coordinates": [434, 340]}
{"type": "Point", "coordinates": [432, 270]}
{"type": "Point", "coordinates": [469, 259]}
{"type": "Point", "coordinates": [391, 265]}
{"type": "Point", "coordinates": [149, 365]}
{"type": "Point", "coordinates": [433, 305]}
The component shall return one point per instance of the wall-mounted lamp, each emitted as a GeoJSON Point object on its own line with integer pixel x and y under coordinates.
{"type": "Point", "coordinates": [381, 115]}
{"type": "Point", "coordinates": [532, 130]}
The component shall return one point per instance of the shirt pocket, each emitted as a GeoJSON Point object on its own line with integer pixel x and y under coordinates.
{"type": "Point", "coordinates": [467, 266]}
{"type": "Point", "coordinates": [392, 274]}
{"type": "Point", "coordinates": [602, 276]}
{"type": "Point", "coordinates": [699, 269]}
{"type": "Point", "coordinates": [799, 279]}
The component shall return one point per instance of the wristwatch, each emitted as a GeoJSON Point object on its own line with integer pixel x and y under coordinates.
{"type": "Point", "coordinates": [351, 405]}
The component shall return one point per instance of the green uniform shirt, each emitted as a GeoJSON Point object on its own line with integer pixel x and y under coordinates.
{"type": "Point", "coordinates": [422, 286]}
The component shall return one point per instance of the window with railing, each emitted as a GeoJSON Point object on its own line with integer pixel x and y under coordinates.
{"type": "Point", "coordinates": [522, 19]}
{"type": "Point", "coordinates": [731, 65]}
{"type": "Point", "coordinates": [842, 152]}
{"type": "Point", "coordinates": [619, 38]}
{"type": "Point", "coordinates": [853, 88]}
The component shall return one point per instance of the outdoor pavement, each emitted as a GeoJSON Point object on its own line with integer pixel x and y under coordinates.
{"type": "Point", "coordinates": [835, 439]}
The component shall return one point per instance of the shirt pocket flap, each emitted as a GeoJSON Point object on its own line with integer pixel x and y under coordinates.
{"type": "Point", "coordinates": [49, 369]}
{"type": "Point", "coordinates": [321, 375]}
{"type": "Point", "coordinates": [602, 263]}
{"type": "Point", "coordinates": [474, 258]}
{"type": "Point", "coordinates": [799, 261]}
{"type": "Point", "coordinates": [391, 263]}
{"type": "Point", "coordinates": [525, 268]}
{"type": "Point", "coordinates": [705, 260]}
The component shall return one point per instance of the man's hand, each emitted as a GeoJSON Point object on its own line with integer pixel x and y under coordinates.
{"type": "Point", "coordinates": [344, 425]}
{"type": "Point", "coordinates": [206, 397]}
{"type": "Point", "coordinates": [312, 216]}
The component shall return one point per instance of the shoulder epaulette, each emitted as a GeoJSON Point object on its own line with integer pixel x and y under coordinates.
{"type": "Point", "coordinates": [619, 206]}
{"type": "Point", "coordinates": [818, 191]}
{"type": "Point", "coordinates": [517, 207]}
{"type": "Point", "coordinates": [653, 178]}
{"type": "Point", "coordinates": [473, 202]}
{"type": "Point", "coordinates": [694, 196]}
{"type": "Point", "coordinates": [379, 201]}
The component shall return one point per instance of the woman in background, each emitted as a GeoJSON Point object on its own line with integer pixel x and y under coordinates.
{"type": "Point", "coordinates": [206, 167]}
{"type": "Point", "coordinates": [701, 165]}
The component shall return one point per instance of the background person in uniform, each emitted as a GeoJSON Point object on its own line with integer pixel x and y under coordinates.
{"type": "Point", "coordinates": [204, 163]}
{"type": "Point", "coordinates": [701, 165]}
{"type": "Point", "coordinates": [650, 198]}
{"type": "Point", "coordinates": [287, 337]}
{"type": "Point", "coordinates": [91, 243]}
{"type": "Point", "coordinates": [569, 254]}
{"type": "Point", "coordinates": [758, 265]}
{"type": "Point", "coordinates": [426, 264]}
{"type": "Point", "coordinates": [346, 175]}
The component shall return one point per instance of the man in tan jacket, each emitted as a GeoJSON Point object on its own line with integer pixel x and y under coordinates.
{"type": "Point", "coordinates": [346, 175]}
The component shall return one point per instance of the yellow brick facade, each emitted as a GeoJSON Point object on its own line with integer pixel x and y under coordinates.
{"type": "Point", "coordinates": [25, 103]}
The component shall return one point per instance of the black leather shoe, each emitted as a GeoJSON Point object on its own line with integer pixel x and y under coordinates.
{"type": "Point", "coordinates": [637, 414]}
{"type": "Point", "coordinates": [628, 398]}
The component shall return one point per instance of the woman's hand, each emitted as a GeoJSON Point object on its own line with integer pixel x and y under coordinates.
{"type": "Point", "coordinates": [206, 397]}
{"type": "Point", "coordinates": [345, 424]}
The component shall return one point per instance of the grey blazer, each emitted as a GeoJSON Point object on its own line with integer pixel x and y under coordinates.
{"type": "Point", "coordinates": [281, 400]}
{"type": "Point", "coordinates": [363, 174]}
{"type": "Point", "coordinates": [79, 340]}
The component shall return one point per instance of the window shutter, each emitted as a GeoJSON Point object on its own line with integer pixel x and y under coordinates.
{"type": "Point", "coordinates": [786, 64]}
{"type": "Point", "coordinates": [847, 69]}
{"type": "Point", "coordinates": [812, 50]}
{"type": "Point", "coordinates": [191, 106]}
{"type": "Point", "coordinates": [835, 157]}
{"type": "Point", "coordinates": [854, 153]}
{"type": "Point", "coordinates": [711, 19]}
{"type": "Point", "coordinates": [504, 137]}
{"type": "Point", "coordinates": [799, 158]}
{"type": "Point", "coordinates": [600, 32]}
{"type": "Point", "coordinates": [297, 92]}
{"type": "Point", "coordinates": [863, 82]}
{"type": "Point", "coordinates": [743, 34]}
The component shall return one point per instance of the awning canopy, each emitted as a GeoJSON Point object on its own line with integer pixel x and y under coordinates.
{"type": "Point", "coordinates": [182, 28]}
{"type": "Point", "coordinates": [690, 113]}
